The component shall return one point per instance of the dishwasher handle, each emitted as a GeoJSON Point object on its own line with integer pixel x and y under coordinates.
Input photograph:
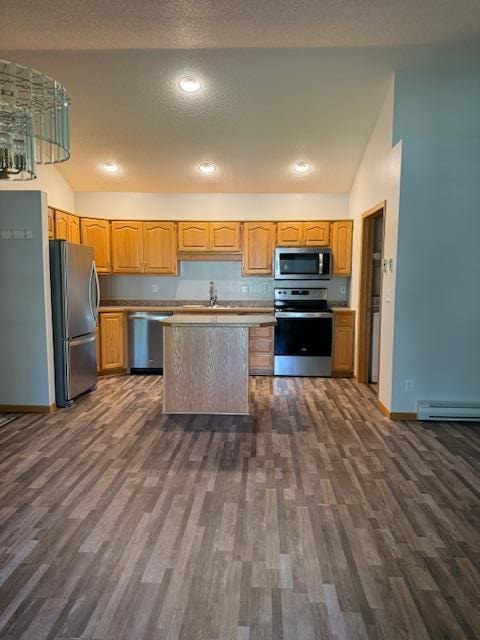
{"type": "Point", "coordinates": [148, 316]}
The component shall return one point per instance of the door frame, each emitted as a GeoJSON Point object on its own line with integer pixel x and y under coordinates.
{"type": "Point", "coordinates": [365, 288]}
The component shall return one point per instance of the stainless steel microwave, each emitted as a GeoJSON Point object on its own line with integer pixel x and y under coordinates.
{"type": "Point", "coordinates": [305, 263]}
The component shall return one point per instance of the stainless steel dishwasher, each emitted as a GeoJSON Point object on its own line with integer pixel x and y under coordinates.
{"type": "Point", "coordinates": [145, 342]}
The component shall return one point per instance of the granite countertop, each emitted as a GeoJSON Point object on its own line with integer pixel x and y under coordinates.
{"type": "Point", "coordinates": [188, 306]}
{"type": "Point", "coordinates": [218, 320]}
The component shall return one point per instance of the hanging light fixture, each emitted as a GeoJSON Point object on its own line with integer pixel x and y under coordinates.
{"type": "Point", "coordinates": [34, 121]}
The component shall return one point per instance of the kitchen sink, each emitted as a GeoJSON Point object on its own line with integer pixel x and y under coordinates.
{"type": "Point", "coordinates": [207, 306]}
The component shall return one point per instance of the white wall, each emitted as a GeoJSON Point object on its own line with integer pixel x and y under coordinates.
{"type": "Point", "coordinates": [378, 180]}
{"type": "Point", "coordinates": [212, 206]}
{"type": "Point", "coordinates": [26, 344]}
{"type": "Point", "coordinates": [50, 180]}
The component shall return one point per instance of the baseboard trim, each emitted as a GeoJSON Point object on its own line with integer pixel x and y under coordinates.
{"type": "Point", "coordinates": [27, 408]}
{"type": "Point", "coordinates": [392, 415]}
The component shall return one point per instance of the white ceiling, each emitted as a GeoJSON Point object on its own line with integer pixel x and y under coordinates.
{"type": "Point", "coordinates": [260, 109]}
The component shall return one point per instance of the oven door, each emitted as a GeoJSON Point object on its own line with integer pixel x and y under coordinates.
{"type": "Point", "coordinates": [303, 343]}
{"type": "Point", "coordinates": [302, 264]}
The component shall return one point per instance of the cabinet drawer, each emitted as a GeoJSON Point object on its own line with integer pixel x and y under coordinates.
{"type": "Point", "coordinates": [260, 362]}
{"type": "Point", "coordinates": [261, 345]}
{"type": "Point", "coordinates": [344, 318]}
{"type": "Point", "coordinates": [261, 332]}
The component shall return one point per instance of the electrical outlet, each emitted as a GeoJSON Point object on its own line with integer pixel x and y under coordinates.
{"type": "Point", "coordinates": [155, 288]}
{"type": "Point", "coordinates": [265, 288]}
{"type": "Point", "coordinates": [408, 386]}
{"type": "Point", "coordinates": [244, 288]}
{"type": "Point", "coordinates": [388, 295]}
{"type": "Point", "coordinates": [343, 290]}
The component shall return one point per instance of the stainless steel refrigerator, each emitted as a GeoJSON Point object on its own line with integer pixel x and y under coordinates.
{"type": "Point", "coordinates": [75, 301]}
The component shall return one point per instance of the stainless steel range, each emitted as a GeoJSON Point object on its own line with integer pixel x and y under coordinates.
{"type": "Point", "coordinates": [303, 333]}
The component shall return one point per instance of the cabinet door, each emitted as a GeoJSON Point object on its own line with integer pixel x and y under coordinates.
{"type": "Point", "coordinates": [261, 351]}
{"type": "Point", "coordinates": [51, 223]}
{"type": "Point", "coordinates": [289, 234]}
{"type": "Point", "coordinates": [96, 234]}
{"type": "Point", "coordinates": [112, 337]}
{"type": "Point", "coordinates": [342, 247]}
{"type": "Point", "coordinates": [343, 343]}
{"type": "Point", "coordinates": [160, 247]}
{"type": "Point", "coordinates": [258, 245]}
{"type": "Point", "coordinates": [73, 228]}
{"type": "Point", "coordinates": [61, 225]}
{"type": "Point", "coordinates": [127, 247]}
{"type": "Point", "coordinates": [316, 234]}
{"type": "Point", "coordinates": [224, 236]}
{"type": "Point", "coordinates": [193, 236]}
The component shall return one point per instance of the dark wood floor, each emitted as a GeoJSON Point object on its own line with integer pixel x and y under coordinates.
{"type": "Point", "coordinates": [314, 518]}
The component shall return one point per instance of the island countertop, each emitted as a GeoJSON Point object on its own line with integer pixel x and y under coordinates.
{"type": "Point", "coordinates": [218, 320]}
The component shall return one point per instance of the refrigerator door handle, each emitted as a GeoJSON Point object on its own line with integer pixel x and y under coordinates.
{"type": "Point", "coordinates": [97, 291]}
{"type": "Point", "coordinates": [93, 309]}
{"type": "Point", "coordinates": [83, 340]}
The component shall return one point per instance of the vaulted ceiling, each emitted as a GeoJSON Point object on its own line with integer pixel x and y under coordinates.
{"type": "Point", "coordinates": [281, 81]}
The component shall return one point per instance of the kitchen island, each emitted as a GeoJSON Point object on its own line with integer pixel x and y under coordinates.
{"type": "Point", "coordinates": [205, 366]}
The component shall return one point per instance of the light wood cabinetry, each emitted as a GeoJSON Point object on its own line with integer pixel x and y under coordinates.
{"type": "Point", "coordinates": [258, 245]}
{"type": "Point", "coordinates": [343, 342]}
{"type": "Point", "coordinates": [112, 342]}
{"type": "Point", "coordinates": [209, 236]}
{"type": "Point", "coordinates": [341, 242]}
{"type": "Point", "coordinates": [260, 351]}
{"type": "Point", "coordinates": [160, 247]}
{"type": "Point", "coordinates": [67, 226]}
{"type": "Point", "coordinates": [193, 236]}
{"type": "Point", "coordinates": [96, 233]}
{"type": "Point", "coordinates": [127, 247]}
{"type": "Point", "coordinates": [225, 236]}
{"type": "Point", "coordinates": [303, 234]}
{"type": "Point", "coordinates": [51, 223]}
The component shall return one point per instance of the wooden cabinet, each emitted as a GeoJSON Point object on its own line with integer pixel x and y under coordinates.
{"type": "Point", "coordinates": [96, 233]}
{"type": "Point", "coordinates": [112, 342]}
{"type": "Point", "coordinates": [289, 234]}
{"type": "Point", "coordinates": [160, 247]}
{"type": "Point", "coordinates": [67, 226]}
{"type": "Point", "coordinates": [127, 247]}
{"type": "Point", "coordinates": [303, 234]}
{"type": "Point", "coordinates": [341, 241]}
{"type": "Point", "coordinates": [51, 223]}
{"type": "Point", "coordinates": [260, 350]}
{"type": "Point", "coordinates": [316, 233]}
{"type": "Point", "coordinates": [258, 245]}
{"type": "Point", "coordinates": [225, 236]}
{"type": "Point", "coordinates": [343, 342]}
{"type": "Point", "coordinates": [193, 236]}
{"type": "Point", "coordinates": [144, 247]}
{"type": "Point", "coordinates": [209, 236]}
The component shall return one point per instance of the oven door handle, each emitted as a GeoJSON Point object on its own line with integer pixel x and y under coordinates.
{"type": "Point", "coordinates": [303, 314]}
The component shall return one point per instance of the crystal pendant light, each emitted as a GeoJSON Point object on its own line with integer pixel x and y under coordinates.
{"type": "Point", "coordinates": [34, 121]}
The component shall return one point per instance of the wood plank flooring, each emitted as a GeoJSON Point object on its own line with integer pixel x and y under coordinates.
{"type": "Point", "coordinates": [316, 517]}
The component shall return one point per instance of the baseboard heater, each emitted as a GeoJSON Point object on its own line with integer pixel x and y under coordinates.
{"type": "Point", "coordinates": [448, 411]}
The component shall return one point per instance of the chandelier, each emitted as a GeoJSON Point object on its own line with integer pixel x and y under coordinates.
{"type": "Point", "coordinates": [34, 121]}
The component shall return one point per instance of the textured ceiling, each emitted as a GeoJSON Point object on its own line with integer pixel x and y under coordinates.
{"type": "Point", "coordinates": [260, 109]}
{"type": "Point", "coordinates": [182, 24]}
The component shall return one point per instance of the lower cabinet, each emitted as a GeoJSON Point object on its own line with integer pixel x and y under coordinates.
{"type": "Point", "coordinates": [343, 343]}
{"type": "Point", "coordinates": [112, 342]}
{"type": "Point", "coordinates": [261, 351]}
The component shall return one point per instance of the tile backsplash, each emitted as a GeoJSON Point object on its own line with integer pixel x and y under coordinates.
{"type": "Point", "coordinates": [193, 281]}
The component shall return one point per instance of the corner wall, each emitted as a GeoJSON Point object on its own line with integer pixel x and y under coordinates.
{"type": "Point", "coordinates": [50, 180]}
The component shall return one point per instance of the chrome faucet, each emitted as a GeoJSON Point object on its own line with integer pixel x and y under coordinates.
{"type": "Point", "coordinates": [213, 294]}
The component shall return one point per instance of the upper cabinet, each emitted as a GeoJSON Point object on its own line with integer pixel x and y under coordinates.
{"type": "Point", "coordinates": [51, 223]}
{"type": "Point", "coordinates": [303, 234]}
{"type": "Point", "coordinates": [96, 234]}
{"type": "Point", "coordinates": [258, 245]}
{"type": "Point", "coordinates": [209, 236]}
{"type": "Point", "coordinates": [193, 236]}
{"type": "Point", "coordinates": [341, 242]}
{"type": "Point", "coordinates": [67, 226]}
{"type": "Point", "coordinates": [127, 247]}
{"type": "Point", "coordinates": [144, 247]}
{"type": "Point", "coordinates": [160, 247]}
{"type": "Point", "coordinates": [225, 236]}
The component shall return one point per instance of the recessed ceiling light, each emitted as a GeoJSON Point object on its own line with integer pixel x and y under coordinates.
{"type": "Point", "coordinates": [189, 84]}
{"type": "Point", "coordinates": [110, 167]}
{"type": "Point", "coordinates": [207, 167]}
{"type": "Point", "coordinates": [301, 167]}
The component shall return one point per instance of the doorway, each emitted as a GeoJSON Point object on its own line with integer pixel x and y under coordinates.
{"type": "Point", "coordinates": [368, 355]}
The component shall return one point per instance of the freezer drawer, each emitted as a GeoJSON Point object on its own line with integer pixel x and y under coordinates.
{"type": "Point", "coordinates": [82, 365]}
{"type": "Point", "coordinates": [145, 342]}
